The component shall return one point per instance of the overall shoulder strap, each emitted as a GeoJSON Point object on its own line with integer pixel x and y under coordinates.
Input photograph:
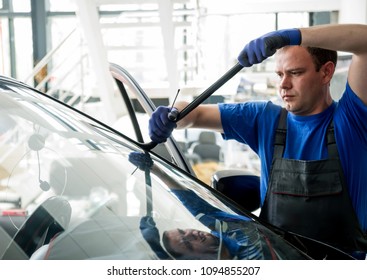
{"type": "Point", "coordinates": [330, 137]}
{"type": "Point", "coordinates": [331, 142]}
{"type": "Point", "coordinates": [280, 134]}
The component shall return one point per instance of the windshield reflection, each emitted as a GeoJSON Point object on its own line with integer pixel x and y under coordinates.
{"type": "Point", "coordinates": [218, 233]}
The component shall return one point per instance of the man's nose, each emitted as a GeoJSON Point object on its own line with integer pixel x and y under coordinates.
{"type": "Point", "coordinates": [285, 82]}
{"type": "Point", "coordinates": [190, 235]}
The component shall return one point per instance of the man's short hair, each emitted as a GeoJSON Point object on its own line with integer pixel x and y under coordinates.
{"type": "Point", "coordinates": [168, 247]}
{"type": "Point", "coordinates": [321, 56]}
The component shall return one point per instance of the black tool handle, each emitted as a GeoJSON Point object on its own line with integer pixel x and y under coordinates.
{"type": "Point", "coordinates": [209, 91]}
{"type": "Point", "coordinates": [176, 116]}
{"type": "Point", "coordinates": [148, 146]}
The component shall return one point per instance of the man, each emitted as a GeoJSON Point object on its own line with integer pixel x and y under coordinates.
{"type": "Point", "coordinates": [314, 154]}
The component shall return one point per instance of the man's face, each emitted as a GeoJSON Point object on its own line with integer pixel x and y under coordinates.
{"type": "Point", "coordinates": [193, 243]}
{"type": "Point", "coordinates": [304, 90]}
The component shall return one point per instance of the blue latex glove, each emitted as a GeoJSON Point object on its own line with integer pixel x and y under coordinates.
{"type": "Point", "coordinates": [261, 48]}
{"type": "Point", "coordinates": [160, 125]}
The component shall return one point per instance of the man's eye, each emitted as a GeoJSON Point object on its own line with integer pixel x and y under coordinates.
{"type": "Point", "coordinates": [188, 245]}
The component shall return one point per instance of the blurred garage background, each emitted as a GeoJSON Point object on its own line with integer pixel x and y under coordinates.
{"type": "Point", "coordinates": [63, 48]}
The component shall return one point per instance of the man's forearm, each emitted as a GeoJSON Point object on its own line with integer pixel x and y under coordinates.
{"type": "Point", "coordinates": [205, 116]}
{"type": "Point", "coordinates": [340, 37]}
{"type": "Point", "coordinates": [188, 120]}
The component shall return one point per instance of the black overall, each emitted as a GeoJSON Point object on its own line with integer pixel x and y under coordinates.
{"type": "Point", "coordinates": [310, 198]}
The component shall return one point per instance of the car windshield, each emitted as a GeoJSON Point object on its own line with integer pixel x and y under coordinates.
{"type": "Point", "coordinates": [71, 188]}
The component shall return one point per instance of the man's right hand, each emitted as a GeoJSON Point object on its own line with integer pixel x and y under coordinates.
{"type": "Point", "coordinates": [160, 126]}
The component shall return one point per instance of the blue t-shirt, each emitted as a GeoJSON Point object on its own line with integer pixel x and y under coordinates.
{"type": "Point", "coordinates": [254, 124]}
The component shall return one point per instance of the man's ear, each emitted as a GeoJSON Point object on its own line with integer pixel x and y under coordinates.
{"type": "Point", "coordinates": [328, 70]}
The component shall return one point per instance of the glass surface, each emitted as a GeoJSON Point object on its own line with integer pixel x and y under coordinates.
{"type": "Point", "coordinates": [21, 6]}
{"type": "Point", "coordinates": [22, 38]}
{"type": "Point", "coordinates": [62, 6]}
{"type": "Point", "coordinates": [71, 189]}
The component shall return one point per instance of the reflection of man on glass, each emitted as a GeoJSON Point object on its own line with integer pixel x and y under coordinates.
{"type": "Point", "coordinates": [191, 242]}
{"type": "Point", "coordinates": [231, 236]}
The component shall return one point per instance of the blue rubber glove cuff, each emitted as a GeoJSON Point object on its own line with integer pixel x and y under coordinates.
{"type": "Point", "coordinates": [294, 36]}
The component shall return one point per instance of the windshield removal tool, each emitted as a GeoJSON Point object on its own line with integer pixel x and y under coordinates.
{"type": "Point", "coordinates": [176, 116]}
